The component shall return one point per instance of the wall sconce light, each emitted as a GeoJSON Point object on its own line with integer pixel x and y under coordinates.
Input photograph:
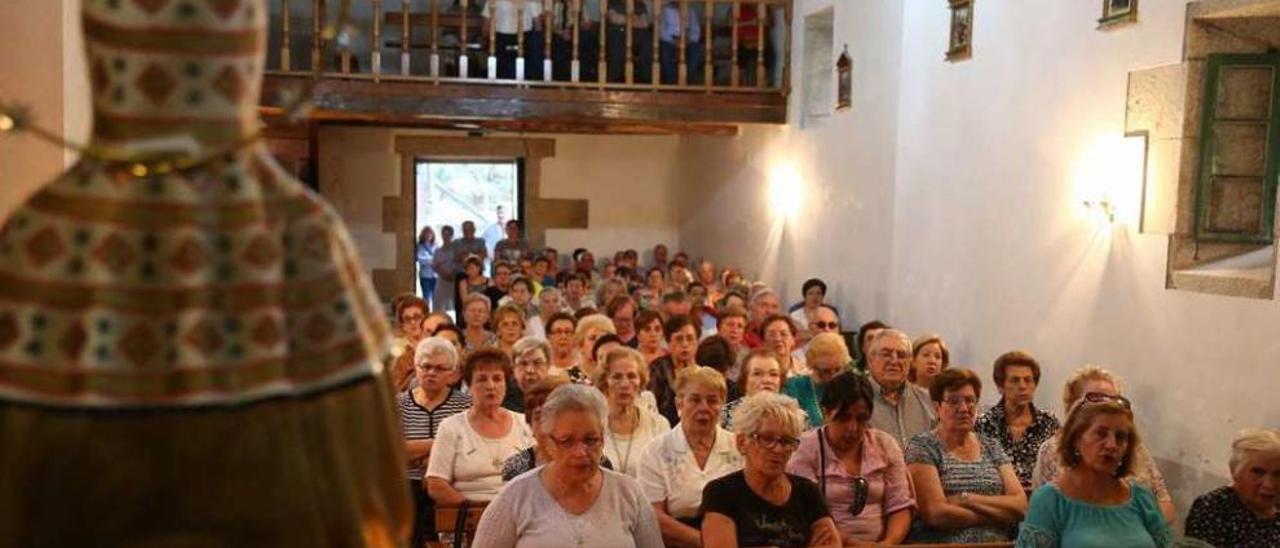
{"type": "Point", "coordinates": [1103, 208]}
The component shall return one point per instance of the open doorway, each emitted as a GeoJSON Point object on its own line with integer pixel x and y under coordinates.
{"type": "Point", "coordinates": [485, 192]}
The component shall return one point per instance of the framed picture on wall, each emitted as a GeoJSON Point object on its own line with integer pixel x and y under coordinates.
{"type": "Point", "coordinates": [960, 41]}
{"type": "Point", "coordinates": [1118, 12]}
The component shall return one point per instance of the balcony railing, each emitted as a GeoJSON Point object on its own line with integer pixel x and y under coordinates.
{"type": "Point", "coordinates": [707, 46]}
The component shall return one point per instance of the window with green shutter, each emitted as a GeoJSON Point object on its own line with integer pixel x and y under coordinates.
{"type": "Point", "coordinates": [1240, 149]}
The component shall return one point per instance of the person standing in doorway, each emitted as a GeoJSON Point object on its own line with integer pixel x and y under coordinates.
{"type": "Point", "coordinates": [446, 266]}
{"type": "Point", "coordinates": [425, 255]}
{"type": "Point", "coordinates": [514, 248]}
{"type": "Point", "coordinates": [494, 233]}
{"type": "Point", "coordinates": [463, 248]}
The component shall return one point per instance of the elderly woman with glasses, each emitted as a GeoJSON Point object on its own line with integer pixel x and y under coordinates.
{"type": "Point", "coordinates": [1245, 512]}
{"type": "Point", "coordinates": [675, 466]}
{"type": "Point", "coordinates": [571, 501]}
{"type": "Point", "coordinates": [1092, 379]}
{"type": "Point", "coordinates": [859, 470]}
{"type": "Point", "coordinates": [466, 462]}
{"type": "Point", "coordinates": [827, 356]}
{"type": "Point", "coordinates": [411, 312]}
{"type": "Point", "coordinates": [1091, 504]}
{"type": "Point", "coordinates": [540, 453]}
{"type": "Point", "coordinates": [967, 489]}
{"type": "Point", "coordinates": [763, 505]}
{"type": "Point", "coordinates": [760, 372]}
{"type": "Point", "coordinates": [422, 409]}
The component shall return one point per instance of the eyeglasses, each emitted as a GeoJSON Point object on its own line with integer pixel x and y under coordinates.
{"type": "Point", "coordinates": [774, 442]}
{"type": "Point", "coordinates": [959, 401]}
{"type": "Point", "coordinates": [590, 443]}
{"type": "Point", "coordinates": [538, 363]}
{"type": "Point", "coordinates": [1099, 397]}
{"type": "Point", "coordinates": [861, 491]}
{"type": "Point", "coordinates": [888, 354]}
{"type": "Point", "coordinates": [826, 325]}
{"type": "Point", "coordinates": [435, 368]}
{"type": "Point", "coordinates": [412, 318]}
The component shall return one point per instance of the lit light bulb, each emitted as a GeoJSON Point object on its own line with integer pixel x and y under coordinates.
{"type": "Point", "coordinates": [138, 170]}
{"type": "Point", "coordinates": [7, 123]}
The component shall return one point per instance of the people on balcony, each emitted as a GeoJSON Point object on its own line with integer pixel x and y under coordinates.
{"type": "Point", "coordinates": [637, 15]}
{"type": "Point", "coordinates": [510, 19]}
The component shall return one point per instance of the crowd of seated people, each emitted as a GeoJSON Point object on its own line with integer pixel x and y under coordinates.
{"type": "Point", "coordinates": [642, 424]}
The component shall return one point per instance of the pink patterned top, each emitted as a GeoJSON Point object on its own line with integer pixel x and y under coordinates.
{"type": "Point", "coordinates": [882, 466]}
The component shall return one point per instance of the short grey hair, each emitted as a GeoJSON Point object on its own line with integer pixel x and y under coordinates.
{"type": "Point", "coordinates": [1251, 443]}
{"type": "Point", "coordinates": [761, 405]}
{"type": "Point", "coordinates": [435, 346]}
{"type": "Point", "coordinates": [526, 344]}
{"type": "Point", "coordinates": [889, 333]}
{"type": "Point", "coordinates": [547, 293]}
{"type": "Point", "coordinates": [759, 295]}
{"type": "Point", "coordinates": [572, 397]}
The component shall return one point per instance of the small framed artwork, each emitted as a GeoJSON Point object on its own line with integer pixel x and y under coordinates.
{"type": "Point", "coordinates": [1118, 12]}
{"type": "Point", "coordinates": [960, 42]}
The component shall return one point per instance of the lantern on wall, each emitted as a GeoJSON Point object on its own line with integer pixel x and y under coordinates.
{"type": "Point", "coordinates": [844, 80]}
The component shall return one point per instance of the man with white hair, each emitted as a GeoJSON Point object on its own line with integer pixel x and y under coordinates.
{"type": "Point", "coordinates": [901, 408]}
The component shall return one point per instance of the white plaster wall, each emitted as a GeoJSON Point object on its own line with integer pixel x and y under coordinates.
{"type": "Point", "coordinates": [949, 200]}
{"type": "Point", "coordinates": [994, 250]}
{"type": "Point", "coordinates": [632, 189]}
{"type": "Point", "coordinates": [839, 171]}
{"type": "Point", "coordinates": [630, 184]}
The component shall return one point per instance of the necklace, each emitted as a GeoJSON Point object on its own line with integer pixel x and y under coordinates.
{"type": "Point", "coordinates": [630, 440]}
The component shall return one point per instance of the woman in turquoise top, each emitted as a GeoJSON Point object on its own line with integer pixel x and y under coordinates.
{"type": "Point", "coordinates": [826, 356]}
{"type": "Point", "coordinates": [1090, 505]}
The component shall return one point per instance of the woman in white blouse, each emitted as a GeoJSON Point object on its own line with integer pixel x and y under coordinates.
{"type": "Point", "coordinates": [571, 501]}
{"type": "Point", "coordinates": [622, 378]}
{"type": "Point", "coordinates": [675, 466]}
{"type": "Point", "coordinates": [470, 448]}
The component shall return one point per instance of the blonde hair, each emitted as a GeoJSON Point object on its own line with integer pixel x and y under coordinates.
{"type": "Point", "coordinates": [1071, 391]}
{"type": "Point", "coordinates": [593, 321]}
{"type": "Point", "coordinates": [1252, 442]}
{"type": "Point", "coordinates": [508, 310]}
{"type": "Point", "coordinates": [827, 344]}
{"type": "Point", "coordinates": [616, 355]}
{"type": "Point", "coordinates": [477, 298]}
{"type": "Point", "coordinates": [701, 375]}
{"type": "Point", "coordinates": [918, 345]}
{"type": "Point", "coordinates": [768, 405]}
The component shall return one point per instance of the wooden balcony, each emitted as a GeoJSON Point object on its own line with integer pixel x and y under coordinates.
{"type": "Point", "coordinates": [439, 63]}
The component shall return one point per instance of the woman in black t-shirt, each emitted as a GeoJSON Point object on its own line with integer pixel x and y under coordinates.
{"type": "Point", "coordinates": [763, 505]}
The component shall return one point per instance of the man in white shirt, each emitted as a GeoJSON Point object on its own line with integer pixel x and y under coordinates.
{"type": "Point", "coordinates": [509, 19]}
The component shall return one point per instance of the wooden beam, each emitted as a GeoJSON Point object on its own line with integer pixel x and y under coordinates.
{"type": "Point", "coordinates": [425, 101]}
{"type": "Point", "coordinates": [583, 127]}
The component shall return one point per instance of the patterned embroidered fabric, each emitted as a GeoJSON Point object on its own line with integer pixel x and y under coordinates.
{"type": "Point", "coordinates": [994, 424]}
{"type": "Point", "coordinates": [981, 476]}
{"type": "Point", "coordinates": [189, 357]}
{"type": "Point", "coordinates": [1220, 518]}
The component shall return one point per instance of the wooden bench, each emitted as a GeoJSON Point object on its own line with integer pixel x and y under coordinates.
{"type": "Point", "coordinates": [452, 521]}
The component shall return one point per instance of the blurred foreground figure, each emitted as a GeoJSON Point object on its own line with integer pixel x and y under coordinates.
{"type": "Point", "coordinates": [190, 355]}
